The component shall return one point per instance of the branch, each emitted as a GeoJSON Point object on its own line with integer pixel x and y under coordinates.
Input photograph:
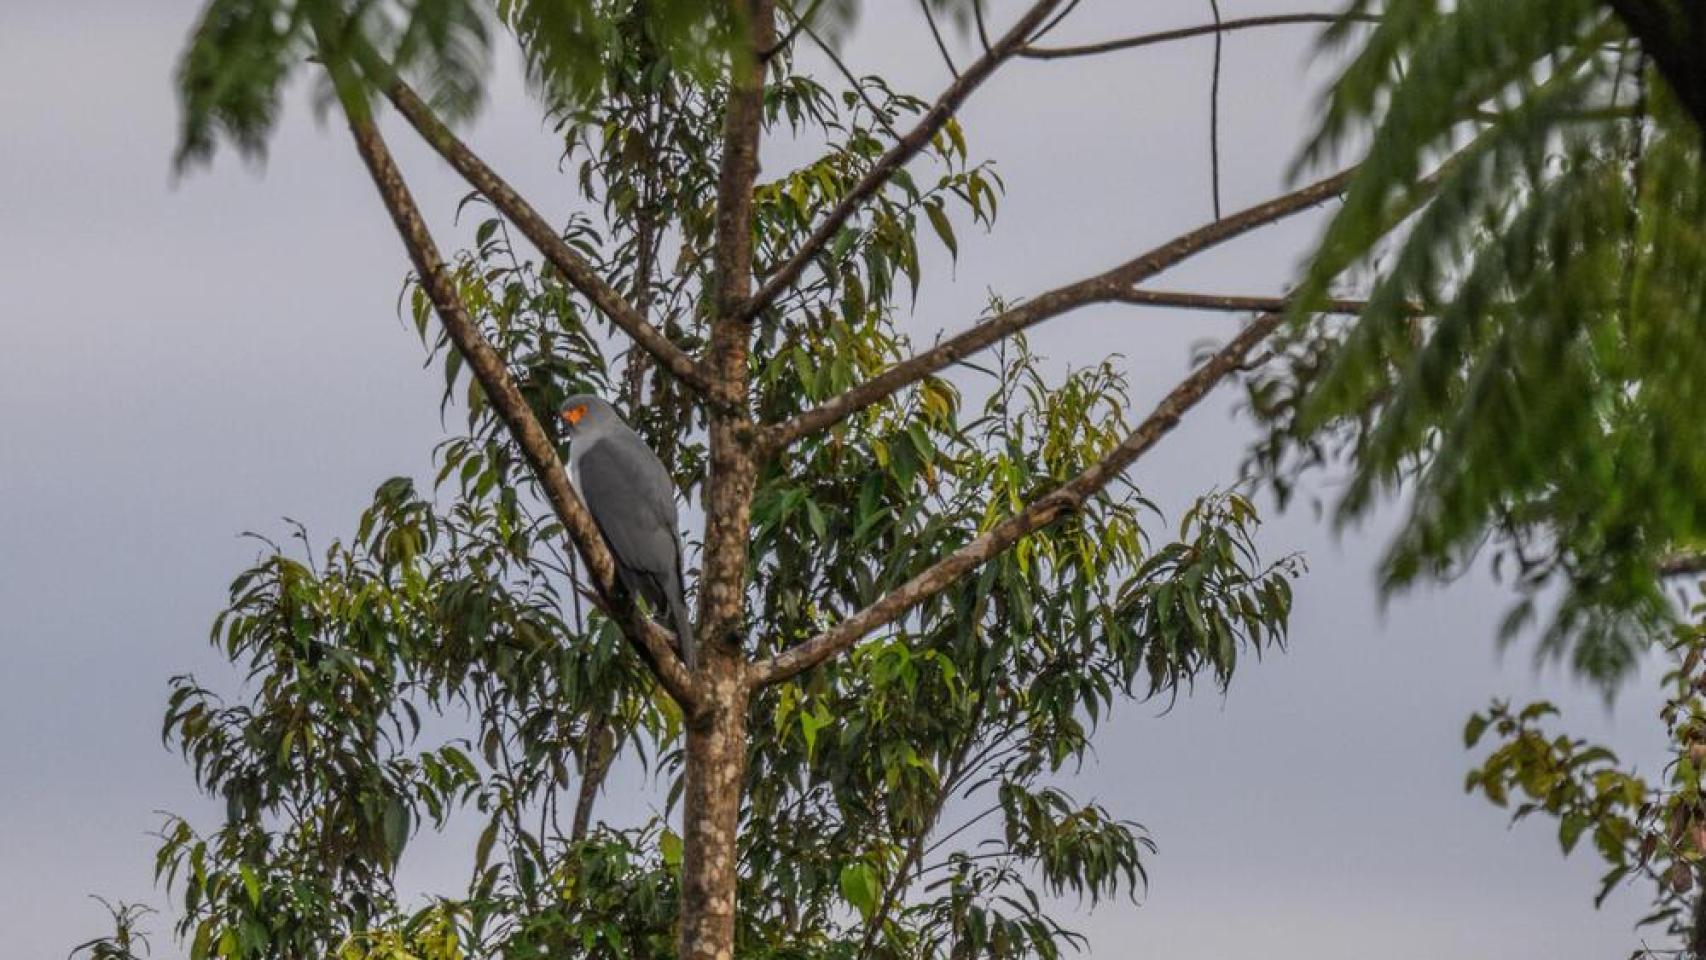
{"type": "Point", "coordinates": [898, 156]}
{"type": "Point", "coordinates": [1067, 498]}
{"type": "Point", "coordinates": [549, 242]}
{"type": "Point", "coordinates": [1186, 33]}
{"type": "Point", "coordinates": [1214, 109]}
{"type": "Point", "coordinates": [941, 45]}
{"type": "Point", "coordinates": [1229, 303]}
{"type": "Point", "coordinates": [802, 23]}
{"type": "Point", "coordinates": [1682, 564]}
{"type": "Point", "coordinates": [1113, 286]}
{"type": "Point", "coordinates": [493, 374]}
{"type": "Point", "coordinates": [1059, 19]}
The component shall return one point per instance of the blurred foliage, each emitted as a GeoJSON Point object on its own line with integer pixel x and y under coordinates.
{"type": "Point", "coordinates": [242, 54]}
{"type": "Point", "coordinates": [439, 663]}
{"type": "Point", "coordinates": [1525, 227]}
{"type": "Point", "coordinates": [1650, 832]}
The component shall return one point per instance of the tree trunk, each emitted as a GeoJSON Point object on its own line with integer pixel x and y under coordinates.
{"type": "Point", "coordinates": [716, 732]}
{"type": "Point", "coordinates": [716, 773]}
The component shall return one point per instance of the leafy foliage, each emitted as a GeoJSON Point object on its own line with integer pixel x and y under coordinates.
{"type": "Point", "coordinates": [440, 662]}
{"type": "Point", "coordinates": [1646, 830]}
{"type": "Point", "coordinates": [243, 53]}
{"type": "Point", "coordinates": [1525, 227]}
{"type": "Point", "coordinates": [127, 942]}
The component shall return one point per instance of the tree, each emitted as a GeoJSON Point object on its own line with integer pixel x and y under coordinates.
{"type": "Point", "coordinates": [1525, 227]}
{"type": "Point", "coordinates": [908, 594]}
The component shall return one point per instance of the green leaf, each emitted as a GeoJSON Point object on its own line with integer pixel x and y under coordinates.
{"type": "Point", "coordinates": [944, 229]}
{"type": "Point", "coordinates": [1473, 730]}
{"type": "Point", "coordinates": [859, 887]}
{"type": "Point", "coordinates": [396, 827]}
{"type": "Point", "coordinates": [669, 845]}
{"type": "Point", "coordinates": [251, 884]}
{"type": "Point", "coordinates": [811, 723]}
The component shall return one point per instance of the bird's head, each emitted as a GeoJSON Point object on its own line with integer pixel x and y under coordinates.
{"type": "Point", "coordinates": [585, 413]}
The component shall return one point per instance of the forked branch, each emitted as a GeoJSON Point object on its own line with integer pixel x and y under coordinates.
{"type": "Point", "coordinates": [1041, 512]}
{"type": "Point", "coordinates": [493, 374]}
{"type": "Point", "coordinates": [580, 274]}
{"type": "Point", "coordinates": [907, 147]}
{"type": "Point", "coordinates": [1114, 285]}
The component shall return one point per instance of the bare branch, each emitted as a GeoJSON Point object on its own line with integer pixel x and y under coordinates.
{"type": "Point", "coordinates": [1214, 109]}
{"type": "Point", "coordinates": [1113, 286]}
{"type": "Point", "coordinates": [941, 45]}
{"type": "Point", "coordinates": [898, 156]}
{"type": "Point", "coordinates": [1041, 512]}
{"type": "Point", "coordinates": [549, 242]}
{"type": "Point", "coordinates": [1228, 303]}
{"type": "Point", "coordinates": [1682, 564]}
{"type": "Point", "coordinates": [1186, 33]}
{"type": "Point", "coordinates": [489, 368]}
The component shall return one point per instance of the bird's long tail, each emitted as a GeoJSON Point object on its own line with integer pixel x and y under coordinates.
{"type": "Point", "coordinates": [674, 591]}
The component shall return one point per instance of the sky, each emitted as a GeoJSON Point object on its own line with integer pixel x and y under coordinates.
{"type": "Point", "coordinates": [184, 360]}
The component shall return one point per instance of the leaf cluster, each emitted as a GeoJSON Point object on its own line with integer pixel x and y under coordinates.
{"type": "Point", "coordinates": [1524, 229]}
{"type": "Point", "coordinates": [1647, 830]}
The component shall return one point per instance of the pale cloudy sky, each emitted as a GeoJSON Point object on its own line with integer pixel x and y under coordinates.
{"type": "Point", "coordinates": [181, 363]}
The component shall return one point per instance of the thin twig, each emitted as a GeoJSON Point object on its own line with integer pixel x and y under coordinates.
{"type": "Point", "coordinates": [852, 80]}
{"type": "Point", "coordinates": [1185, 33]}
{"type": "Point", "coordinates": [1059, 18]}
{"type": "Point", "coordinates": [800, 24]}
{"type": "Point", "coordinates": [1214, 109]}
{"type": "Point", "coordinates": [982, 28]}
{"type": "Point", "coordinates": [941, 44]}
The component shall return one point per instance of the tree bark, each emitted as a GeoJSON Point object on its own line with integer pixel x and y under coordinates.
{"type": "Point", "coordinates": [716, 774]}
{"type": "Point", "coordinates": [716, 738]}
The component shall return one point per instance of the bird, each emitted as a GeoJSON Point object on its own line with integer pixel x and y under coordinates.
{"type": "Point", "coordinates": [631, 497]}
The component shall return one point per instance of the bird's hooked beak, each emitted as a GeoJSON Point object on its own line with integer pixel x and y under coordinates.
{"type": "Point", "coordinates": [573, 415]}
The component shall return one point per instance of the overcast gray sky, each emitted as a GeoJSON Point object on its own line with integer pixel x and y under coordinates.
{"type": "Point", "coordinates": [180, 364]}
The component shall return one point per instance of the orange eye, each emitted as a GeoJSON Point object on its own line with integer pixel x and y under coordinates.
{"type": "Point", "coordinates": [574, 414]}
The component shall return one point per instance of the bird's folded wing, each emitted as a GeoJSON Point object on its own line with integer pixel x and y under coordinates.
{"type": "Point", "coordinates": [633, 505]}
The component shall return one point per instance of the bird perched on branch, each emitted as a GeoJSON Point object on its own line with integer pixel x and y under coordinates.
{"type": "Point", "coordinates": [632, 500]}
